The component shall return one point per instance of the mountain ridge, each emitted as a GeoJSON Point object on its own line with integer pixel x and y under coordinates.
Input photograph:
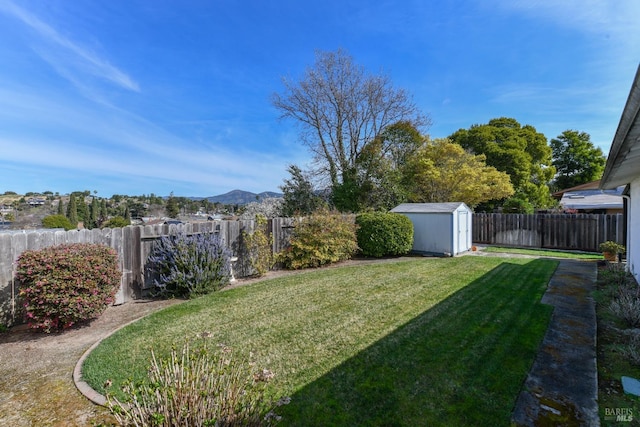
{"type": "Point", "coordinates": [239, 197]}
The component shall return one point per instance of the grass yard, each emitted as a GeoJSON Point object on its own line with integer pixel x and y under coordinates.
{"type": "Point", "coordinates": [419, 342]}
{"type": "Point", "coordinates": [545, 253]}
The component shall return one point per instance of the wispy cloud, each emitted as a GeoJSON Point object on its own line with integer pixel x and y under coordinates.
{"type": "Point", "coordinates": [617, 18]}
{"type": "Point", "coordinates": [66, 56]}
{"type": "Point", "coordinates": [54, 134]}
{"type": "Point", "coordinates": [612, 26]}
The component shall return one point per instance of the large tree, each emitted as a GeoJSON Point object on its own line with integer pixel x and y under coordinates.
{"type": "Point", "coordinates": [340, 109]}
{"type": "Point", "coordinates": [442, 171]}
{"type": "Point", "coordinates": [520, 151]}
{"type": "Point", "coordinates": [300, 198]}
{"type": "Point", "coordinates": [576, 159]}
{"type": "Point", "coordinates": [380, 165]}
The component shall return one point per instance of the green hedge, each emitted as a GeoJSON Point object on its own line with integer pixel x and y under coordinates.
{"type": "Point", "coordinates": [384, 234]}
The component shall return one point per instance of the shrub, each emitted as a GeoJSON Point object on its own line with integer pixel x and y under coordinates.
{"type": "Point", "coordinates": [319, 239]}
{"type": "Point", "coordinates": [613, 277]}
{"type": "Point", "coordinates": [626, 305]}
{"type": "Point", "coordinates": [116, 222]}
{"type": "Point", "coordinates": [383, 234]}
{"type": "Point", "coordinates": [199, 387]}
{"type": "Point", "coordinates": [67, 284]}
{"type": "Point", "coordinates": [632, 350]}
{"type": "Point", "coordinates": [57, 221]}
{"type": "Point", "coordinates": [257, 248]}
{"type": "Point", "coordinates": [190, 265]}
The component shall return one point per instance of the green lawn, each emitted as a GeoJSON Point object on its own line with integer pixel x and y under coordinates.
{"type": "Point", "coordinates": [419, 342]}
{"type": "Point", "coordinates": [545, 253]}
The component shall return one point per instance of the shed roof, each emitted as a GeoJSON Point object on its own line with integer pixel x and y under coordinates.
{"type": "Point", "coordinates": [448, 207]}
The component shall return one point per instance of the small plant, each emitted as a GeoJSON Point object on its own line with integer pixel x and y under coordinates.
{"type": "Point", "coordinates": [614, 276]}
{"type": "Point", "coordinates": [611, 247]}
{"type": "Point", "coordinates": [190, 265]}
{"type": "Point", "coordinates": [382, 234]}
{"type": "Point", "coordinates": [632, 350]}
{"type": "Point", "coordinates": [319, 239]}
{"type": "Point", "coordinates": [197, 386]}
{"type": "Point", "coordinates": [626, 305]}
{"type": "Point", "coordinates": [67, 284]}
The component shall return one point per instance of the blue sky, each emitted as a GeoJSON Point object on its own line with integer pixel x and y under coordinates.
{"type": "Point", "coordinates": [157, 96]}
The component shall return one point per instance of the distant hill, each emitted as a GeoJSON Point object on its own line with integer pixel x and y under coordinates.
{"type": "Point", "coordinates": [240, 197]}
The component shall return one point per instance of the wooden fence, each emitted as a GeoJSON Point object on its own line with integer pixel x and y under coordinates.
{"type": "Point", "coordinates": [582, 232]}
{"type": "Point", "coordinates": [133, 244]}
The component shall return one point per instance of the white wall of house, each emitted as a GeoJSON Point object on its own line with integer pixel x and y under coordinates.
{"type": "Point", "coordinates": [633, 230]}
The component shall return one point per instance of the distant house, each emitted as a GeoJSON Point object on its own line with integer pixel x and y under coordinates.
{"type": "Point", "coordinates": [590, 198]}
{"type": "Point", "coordinates": [439, 228]}
{"type": "Point", "coordinates": [623, 169]}
{"type": "Point", "coordinates": [35, 201]}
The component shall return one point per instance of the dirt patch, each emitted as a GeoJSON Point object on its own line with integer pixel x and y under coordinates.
{"type": "Point", "coordinates": [37, 388]}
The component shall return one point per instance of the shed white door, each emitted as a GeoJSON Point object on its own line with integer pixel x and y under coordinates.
{"type": "Point", "coordinates": [463, 232]}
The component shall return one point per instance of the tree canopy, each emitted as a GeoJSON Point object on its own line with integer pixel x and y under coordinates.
{"type": "Point", "coordinates": [520, 151]}
{"type": "Point", "coordinates": [442, 171]}
{"type": "Point", "coordinates": [340, 110]}
{"type": "Point", "coordinates": [576, 159]}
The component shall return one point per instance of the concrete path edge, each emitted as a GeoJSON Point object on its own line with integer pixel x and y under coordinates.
{"type": "Point", "coordinates": [82, 386]}
{"type": "Point", "coordinates": [562, 385]}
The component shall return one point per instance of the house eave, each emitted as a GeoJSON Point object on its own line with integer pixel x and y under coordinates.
{"type": "Point", "coordinates": [624, 156]}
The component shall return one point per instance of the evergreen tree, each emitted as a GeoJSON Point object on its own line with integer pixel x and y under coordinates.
{"type": "Point", "coordinates": [95, 213]}
{"type": "Point", "coordinates": [520, 151]}
{"type": "Point", "coordinates": [60, 207]}
{"type": "Point", "coordinates": [72, 210]}
{"type": "Point", "coordinates": [104, 214]}
{"type": "Point", "coordinates": [172, 207]}
{"type": "Point", "coordinates": [576, 158]}
{"type": "Point", "coordinates": [299, 196]}
{"type": "Point", "coordinates": [83, 210]}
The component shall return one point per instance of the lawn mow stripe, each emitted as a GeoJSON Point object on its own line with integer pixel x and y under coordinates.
{"type": "Point", "coordinates": [425, 327]}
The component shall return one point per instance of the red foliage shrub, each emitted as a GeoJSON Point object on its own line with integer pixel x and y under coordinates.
{"type": "Point", "coordinates": [64, 285]}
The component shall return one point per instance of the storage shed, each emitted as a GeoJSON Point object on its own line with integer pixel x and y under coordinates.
{"type": "Point", "coordinates": [439, 228]}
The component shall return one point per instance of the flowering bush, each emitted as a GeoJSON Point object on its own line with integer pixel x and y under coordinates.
{"type": "Point", "coordinates": [269, 207]}
{"type": "Point", "coordinates": [188, 266]}
{"type": "Point", "coordinates": [67, 284]}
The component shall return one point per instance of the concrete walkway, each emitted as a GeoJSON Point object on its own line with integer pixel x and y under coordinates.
{"type": "Point", "coordinates": [562, 386]}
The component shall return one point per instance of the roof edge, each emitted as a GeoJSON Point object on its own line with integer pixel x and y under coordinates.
{"type": "Point", "coordinates": [629, 114]}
